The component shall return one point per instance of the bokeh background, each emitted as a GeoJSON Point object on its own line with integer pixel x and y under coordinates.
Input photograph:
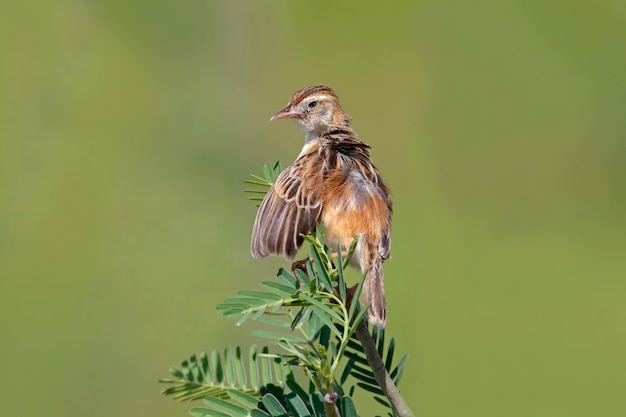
{"type": "Point", "coordinates": [127, 128]}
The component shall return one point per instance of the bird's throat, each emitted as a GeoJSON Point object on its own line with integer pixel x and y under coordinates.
{"type": "Point", "coordinates": [310, 144]}
{"type": "Point", "coordinates": [311, 136]}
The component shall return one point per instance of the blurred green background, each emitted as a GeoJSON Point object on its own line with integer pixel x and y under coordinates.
{"type": "Point", "coordinates": [127, 128]}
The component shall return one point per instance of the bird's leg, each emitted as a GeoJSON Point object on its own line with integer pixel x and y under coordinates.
{"type": "Point", "coordinates": [301, 264]}
{"type": "Point", "coordinates": [349, 294]}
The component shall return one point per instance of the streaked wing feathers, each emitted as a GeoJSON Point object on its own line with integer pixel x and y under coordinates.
{"type": "Point", "coordinates": [287, 211]}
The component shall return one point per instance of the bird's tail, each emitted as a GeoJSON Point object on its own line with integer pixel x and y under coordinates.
{"type": "Point", "coordinates": [374, 292]}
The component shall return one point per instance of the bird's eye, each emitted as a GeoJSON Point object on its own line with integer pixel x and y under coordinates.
{"type": "Point", "coordinates": [312, 104]}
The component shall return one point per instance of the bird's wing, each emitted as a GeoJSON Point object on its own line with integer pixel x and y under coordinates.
{"type": "Point", "coordinates": [290, 208]}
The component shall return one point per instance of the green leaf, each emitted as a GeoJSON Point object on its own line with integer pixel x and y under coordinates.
{"type": "Point", "coordinates": [176, 372]}
{"type": "Point", "coordinates": [262, 183]}
{"type": "Point", "coordinates": [399, 366]}
{"type": "Point", "coordinates": [279, 372]}
{"type": "Point", "coordinates": [314, 326]}
{"type": "Point", "coordinates": [226, 407]}
{"type": "Point", "coordinates": [259, 312]}
{"type": "Point", "coordinates": [244, 316]}
{"type": "Point", "coordinates": [297, 406]}
{"type": "Point", "coordinates": [266, 370]}
{"type": "Point", "coordinates": [320, 310]}
{"type": "Point", "coordinates": [259, 294]}
{"type": "Point", "coordinates": [295, 387]}
{"type": "Point", "coordinates": [274, 322]}
{"type": "Point", "coordinates": [381, 401]}
{"type": "Point", "coordinates": [246, 400]}
{"type": "Point", "coordinates": [375, 389]}
{"type": "Point", "coordinates": [274, 406]}
{"type": "Point", "coordinates": [279, 289]}
{"type": "Point", "coordinates": [380, 333]}
{"type": "Point", "coordinates": [254, 373]}
{"type": "Point", "coordinates": [317, 403]}
{"type": "Point", "coordinates": [287, 279]}
{"type": "Point", "coordinates": [229, 366]}
{"type": "Point", "coordinates": [240, 370]}
{"type": "Point", "coordinates": [310, 274]}
{"type": "Point", "coordinates": [233, 314]}
{"type": "Point", "coordinates": [221, 308]}
{"type": "Point", "coordinates": [356, 357]}
{"type": "Point", "coordinates": [347, 408]}
{"type": "Point", "coordinates": [196, 369]}
{"type": "Point", "coordinates": [390, 350]}
{"type": "Point", "coordinates": [199, 368]}
{"type": "Point", "coordinates": [301, 317]}
{"type": "Point", "coordinates": [340, 281]}
{"type": "Point", "coordinates": [366, 377]}
{"type": "Point", "coordinates": [303, 277]}
{"type": "Point", "coordinates": [346, 371]}
{"type": "Point", "coordinates": [204, 412]}
{"type": "Point", "coordinates": [296, 351]}
{"type": "Point", "coordinates": [321, 306]}
{"type": "Point", "coordinates": [331, 351]}
{"type": "Point", "coordinates": [328, 322]}
{"type": "Point", "coordinates": [206, 367]}
{"type": "Point", "coordinates": [187, 372]}
{"type": "Point", "coordinates": [322, 274]}
{"type": "Point", "coordinates": [276, 171]}
{"type": "Point", "coordinates": [268, 173]}
{"type": "Point", "coordinates": [250, 301]}
{"type": "Point", "coordinates": [216, 361]}
{"type": "Point", "coordinates": [278, 336]}
{"type": "Point", "coordinates": [324, 336]}
{"type": "Point", "coordinates": [399, 377]}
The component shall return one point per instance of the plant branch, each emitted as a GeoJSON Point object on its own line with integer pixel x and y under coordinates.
{"type": "Point", "coordinates": [400, 407]}
{"type": "Point", "coordinates": [331, 409]}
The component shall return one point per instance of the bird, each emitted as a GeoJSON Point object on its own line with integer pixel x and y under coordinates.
{"type": "Point", "coordinates": [334, 181]}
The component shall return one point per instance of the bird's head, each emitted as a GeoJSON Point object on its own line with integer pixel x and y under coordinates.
{"type": "Point", "coordinates": [315, 109]}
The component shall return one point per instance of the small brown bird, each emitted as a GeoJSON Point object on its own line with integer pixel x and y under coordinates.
{"type": "Point", "coordinates": [333, 180]}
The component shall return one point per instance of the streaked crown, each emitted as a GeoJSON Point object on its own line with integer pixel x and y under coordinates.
{"type": "Point", "coordinates": [316, 90]}
{"type": "Point", "coordinates": [315, 109]}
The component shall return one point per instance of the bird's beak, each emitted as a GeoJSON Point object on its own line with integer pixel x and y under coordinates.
{"type": "Point", "coordinates": [285, 113]}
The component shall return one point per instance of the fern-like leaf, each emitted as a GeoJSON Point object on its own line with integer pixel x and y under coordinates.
{"type": "Point", "coordinates": [270, 173]}
{"type": "Point", "coordinates": [255, 304]}
{"type": "Point", "coordinates": [220, 375]}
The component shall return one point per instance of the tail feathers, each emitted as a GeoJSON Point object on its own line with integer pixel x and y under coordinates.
{"type": "Point", "coordinates": [374, 293]}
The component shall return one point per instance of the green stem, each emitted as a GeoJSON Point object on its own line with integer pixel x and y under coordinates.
{"type": "Point", "coordinates": [330, 407]}
{"type": "Point", "coordinates": [346, 334]}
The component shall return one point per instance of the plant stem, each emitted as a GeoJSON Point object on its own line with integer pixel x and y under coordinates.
{"type": "Point", "coordinates": [331, 410]}
{"type": "Point", "coordinates": [399, 406]}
